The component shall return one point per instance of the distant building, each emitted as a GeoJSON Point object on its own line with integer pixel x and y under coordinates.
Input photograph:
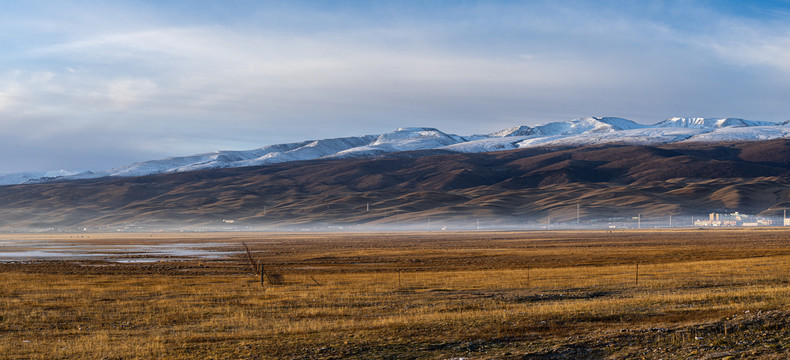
{"type": "Point", "coordinates": [735, 219]}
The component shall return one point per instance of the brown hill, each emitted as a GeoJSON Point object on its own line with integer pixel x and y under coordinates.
{"type": "Point", "coordinates": [511, 186]}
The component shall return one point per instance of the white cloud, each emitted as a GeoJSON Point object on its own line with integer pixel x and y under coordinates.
{"type": "Point", "coordinates": [7, 97]}
{"type": "Point", "coordinates": [5, 100]}
{"type": "Point", "coordinates": [205, 65]}
{"type": "Point", "coordinates": [129, 91]}
{"type": "Point", "coordinates": [760, 50]}
{"type": "Point", "coordinates": [204, 85]}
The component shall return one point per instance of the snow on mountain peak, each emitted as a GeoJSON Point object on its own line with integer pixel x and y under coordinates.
{"type": "Point", "coordinates": [410, 137]}
{"type": "Point", "coordinates": [585, 125]}
{"type": "Point", "coordinates": [416, 129]}
{"type": "Point", "coordinates": [573, 127]}
{"type": "Point", "coordinates": [710, 123]}
{"type": "Point", "coordinates": [617, 124]}
{"type": "Point", "coordinates": [514, 131]}
{"type": "Point", "coordinates": [403, 139]}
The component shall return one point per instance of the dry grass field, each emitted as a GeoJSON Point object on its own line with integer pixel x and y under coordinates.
{"type": "Point", "coordinates": [482, 295]}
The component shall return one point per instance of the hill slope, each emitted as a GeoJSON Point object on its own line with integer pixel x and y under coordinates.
{"type": "Point", "coordinates": [525, 185]}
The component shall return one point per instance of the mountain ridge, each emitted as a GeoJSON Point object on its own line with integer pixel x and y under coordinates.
{"type": "Point", "coordinates": [573, 133]}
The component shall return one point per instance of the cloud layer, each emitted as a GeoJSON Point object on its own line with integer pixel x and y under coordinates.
{"type": "Point", "coordinates": [138, 81]}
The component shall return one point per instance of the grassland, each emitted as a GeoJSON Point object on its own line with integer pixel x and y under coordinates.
{"type": "Point", "coordinates": [484, 295]}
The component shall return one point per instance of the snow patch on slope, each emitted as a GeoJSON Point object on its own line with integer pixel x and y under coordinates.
{"type": "Point", "coordinates": [646, 136]}
{"type": "Point", "coordinates": [710, 123]}
{"type": "Point", "coordinates": [485, 145]}
{"type": "Point", "coordinates": [36, 176]}
{"type": "Point", "coordinates": [756, 133]}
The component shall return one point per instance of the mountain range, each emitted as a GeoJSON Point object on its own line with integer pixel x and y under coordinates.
{"type": "Point", "coordinates": [425, 189]}
{"type": "Point", "coordinates": [575, 133]}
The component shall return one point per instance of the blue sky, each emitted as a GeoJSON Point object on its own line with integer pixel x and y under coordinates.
{"type": "Point", "coordinates": [89, 85]}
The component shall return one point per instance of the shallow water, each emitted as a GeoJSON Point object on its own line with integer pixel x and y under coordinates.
{"type": "Point", "coordinates": [37, 254]}
{"type": "Point", "coordinates": [11, 251]}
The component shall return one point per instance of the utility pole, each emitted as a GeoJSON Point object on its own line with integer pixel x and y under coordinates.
{"type": "Point", "coordinates": [639, 221]}
{"type": "Point", "coordinates": [548, 223]}
{"type": "Point", "coordinates": [367, 207]}
{"type": "Point", "coordinates": [578, 206]}
{"type": "Point", "coordinates": [670, 220]}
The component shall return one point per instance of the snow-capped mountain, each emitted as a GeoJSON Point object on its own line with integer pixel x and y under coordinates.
{"type": "Point", "coordinates": [573, 127]}
{"type": "Point", "coordinates": [403, 139]}
{"type": "Point", "coordinates": [585, 126]}
{"type": "Point", "coordinates": [597, 131]}
{"type": "Point", "coordinates": [588, 129]}
{"type": "Point", "coordinates": [577, 132]}
{"type": "Point", "coordinates": [306, 150]}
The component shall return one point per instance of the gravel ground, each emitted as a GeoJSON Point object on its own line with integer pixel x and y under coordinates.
{"type": "Point", "coordinates": [747, 335]}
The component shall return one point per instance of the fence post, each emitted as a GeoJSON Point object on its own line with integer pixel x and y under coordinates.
{"type": "Point", "coordinates": [249, 256]}
{"type": "Point", "coordinates": [262, 275]}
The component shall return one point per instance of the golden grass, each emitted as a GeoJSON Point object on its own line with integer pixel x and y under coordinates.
{"type": "Point", "coordinates": [46, 315]}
